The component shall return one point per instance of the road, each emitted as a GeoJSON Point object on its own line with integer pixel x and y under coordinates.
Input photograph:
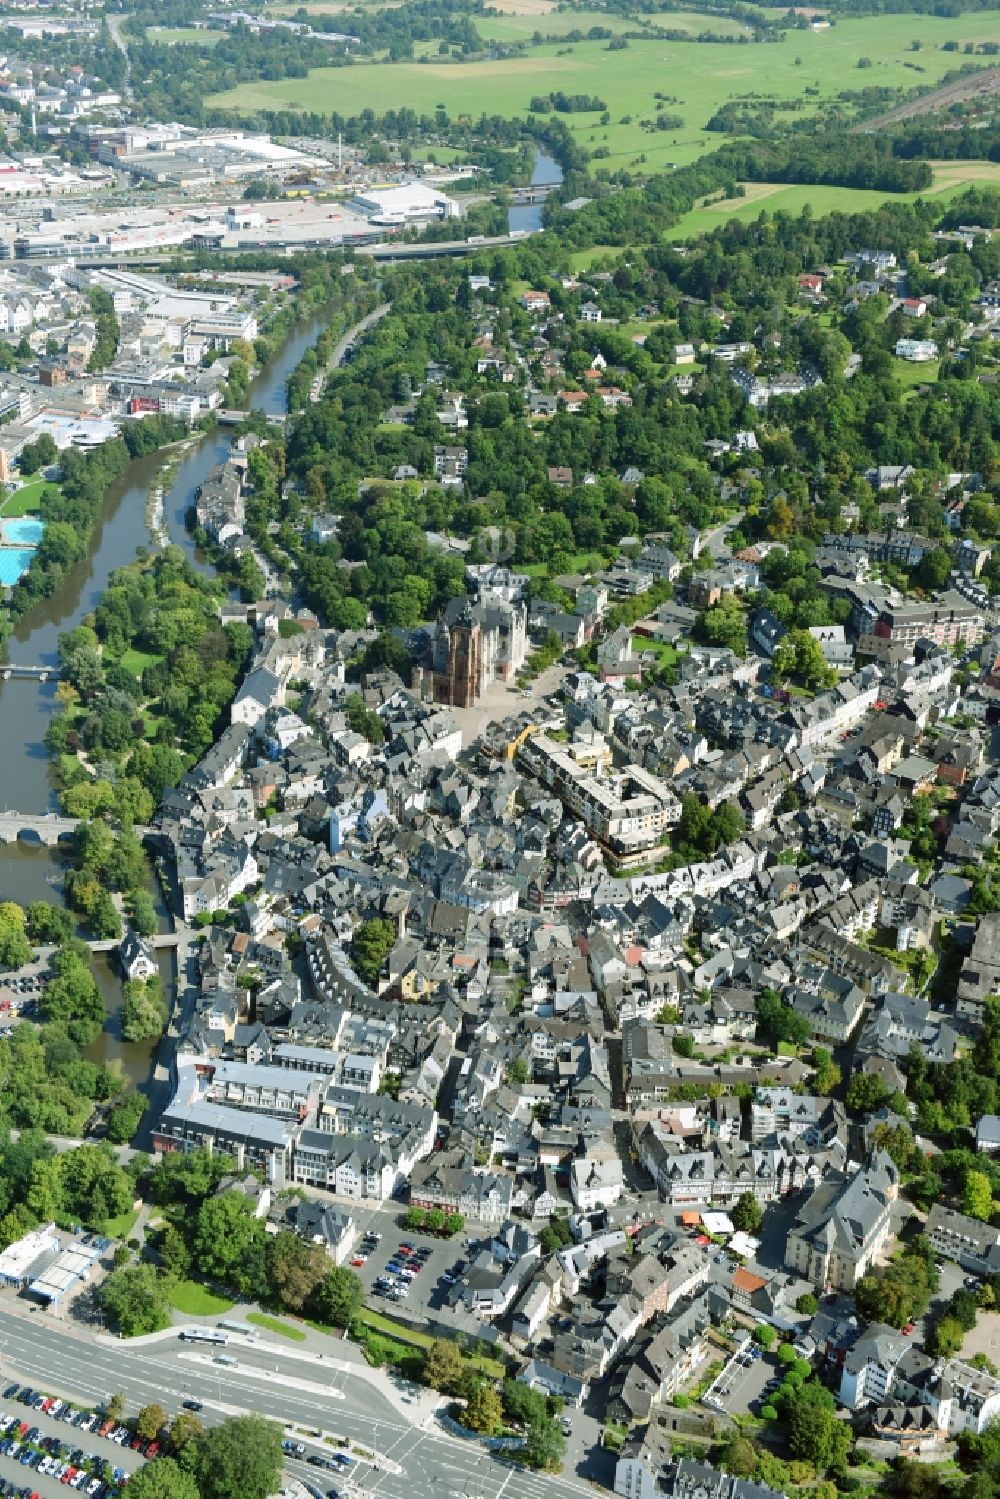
{"type": "Point", "coordinates": [115, 24]}
{"type": "Point", "coordinates": [350, 337]}
{"type": "Point", "coordinates": [716, 541]}
{"type": "Point", "coordinates": [62, 1360]}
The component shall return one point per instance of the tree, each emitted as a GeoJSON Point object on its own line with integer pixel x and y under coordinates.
{"type": "Point", "coordinates": [162, 1479]}
{"type": "Point", "coordinates": [124, 1118]}
{"type": "Point", "coordinates": [977, 1196]}
{"type": "Point", "coordinates": [338, 1297]}
{"type": "Point", "coordinates": [747, 1214]}
{"type": "Point", "coordinates": [764, 1335]}
{"type": "Point", "coordinates": [144, 1009]}
{"type": "Point", "coordinates": [229, 1239]}
{"type": "Point", "coordinates": [443, 1366]}
{"type": "Point", "coordinates": [175, 1256]}
{"type": "Point", "coordinates": [934, 569]}
{"type": "Point", "coordinates": [371, 945]}
{"type": "Point", "coordinates": [945, 1337]}
{"type": "Point", "coordinates": [184, 1428]}
{"type": "Point", "coordinates": [295, 1269]}
{"type": "Point", "coordinates": [544, 1445]}
{"type": "Point", "coordinates": [866, 1092]}
{"type": "Point", "coordinates": [484, 1411]}
{"type": "Point", "coordinates": [777, 1021]}
{"type": "Point", "coordinates": [150, 1422]}
{"type": "Point", "coordinates": [521, 1403]}
{"type": "Point", "coordinates": [72, 998]}
{"type": "Point", "coordinates": [814, 1432]}
{"type": "Point", "coordinates": [114, 1408]}
{"type": "Point", "coordinates": [807, 1304]}
{"type": "Point", "coordinates": [48, 923]}
{"type": "Point", "coordinates": [15, 949]}
{"type": "Point", "coordinates": [828, 1074]}
{"type": "Point", "coordinates": [800, 656]}
{"type": "Point", "coordinates": [414, 1219]}
{"type": "Point", "coordinates": [241, 1459]}
{"type": "Point", "coordinates": [136, 1298]}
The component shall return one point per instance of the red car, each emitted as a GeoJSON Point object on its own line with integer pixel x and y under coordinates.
{"type": "Point", "coordinates": [152, 1450]}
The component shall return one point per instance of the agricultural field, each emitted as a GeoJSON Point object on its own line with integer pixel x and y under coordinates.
{"type": "Point", "coordinates": [696, 77]}
{"type": "Point", "coordinates": [521, 28]}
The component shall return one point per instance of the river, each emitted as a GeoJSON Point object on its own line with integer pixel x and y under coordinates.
{"type": "Point", "coordinates": [529, 218]}
{"type": "Point", "coordinates": [30, 872]}
{"type": "Point", "coordinates": [25, 705]}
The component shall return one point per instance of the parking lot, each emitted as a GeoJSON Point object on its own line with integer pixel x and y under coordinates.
{"type": "Point", "coordinates": [60, 1445]}
{"type": "Point", "coordinates": [745, 1384]}
{"type": "Point", "coordinates": [436, 1257]}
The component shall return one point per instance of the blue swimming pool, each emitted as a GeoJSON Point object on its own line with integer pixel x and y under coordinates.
{"type": "Point", "coordinates": [14, 563]}
{"type": "Point", "coordinates": [25, 531]}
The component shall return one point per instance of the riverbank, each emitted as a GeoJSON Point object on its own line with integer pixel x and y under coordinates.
{"type": "Point", "coordinates": [120, 531]}
{"type": "Point", "coordinates": [155, 511]}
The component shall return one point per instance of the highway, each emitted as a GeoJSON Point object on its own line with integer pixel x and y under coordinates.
{"type": "Point", "coordinates": [418, 1462]}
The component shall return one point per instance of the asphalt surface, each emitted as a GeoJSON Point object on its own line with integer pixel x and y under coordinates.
{"type": "Point", "coordinates": [36, 1349]}
{"type": "Point", "coordinates": [444, 1254]}
{"type": "Point", "coordinates": [89, 1442]}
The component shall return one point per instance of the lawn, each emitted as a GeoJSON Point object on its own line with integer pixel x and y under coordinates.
{"type": "Point", "coordinates": [664, 653]}
{"type": "Point", "coordinates": [169, 36]}
{"type": "Point", "coordinates": [950, 179]}
{"type": "Point", "coordinates": [910, 374]}
{"type": "Point", "coordinates": [582, 260]}
{"type": "Point", "coordinates": [120, 1227]}
{"type": "Point", "coordinates": [575, 562]}
{"type": "Point", "coordinates": [136, 662]}
{"type": "Point", "coordinates": [273, 1324]}
{"type": "Point", "coordinates": [195, 1301]}
{"type": "Point", "coordinates": [403, 1334]}
{"type": "Point", "coordinates": [697, 77]}
{"type": "Point", "coordinates": [511, 28]}
{"type": "Point", "coordinates": [24, 501]}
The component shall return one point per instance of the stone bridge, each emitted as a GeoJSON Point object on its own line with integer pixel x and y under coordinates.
{"type": "Point", "coordinates": [47, 828]}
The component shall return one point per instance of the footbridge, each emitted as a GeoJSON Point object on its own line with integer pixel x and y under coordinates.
{"type": "Point", "coordinates": [33, 673]}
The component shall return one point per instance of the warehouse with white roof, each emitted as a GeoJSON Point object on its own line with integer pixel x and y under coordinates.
{"type": "Point", "coordinates": [409, 203]}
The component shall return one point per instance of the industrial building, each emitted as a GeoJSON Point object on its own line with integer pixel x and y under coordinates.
{"type": "Point", "coordinates": [409, 203]}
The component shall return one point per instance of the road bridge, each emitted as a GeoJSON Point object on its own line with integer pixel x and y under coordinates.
{"type": "Point", "coordinates": [48, 828]}
{"type": "Point", "coordinates": [433, 250]}
{"type": "Point", "coordinates": [227, 417]}
{"type": "Point", "coordinates": [521, 197]}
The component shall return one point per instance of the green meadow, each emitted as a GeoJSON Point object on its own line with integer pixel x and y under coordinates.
{"type": "Point", "coordinates": [695, 77]}
{"type": "Point", "coordinates": [950, 179]}
{"type": "Point", "coordinates": [169, 36]}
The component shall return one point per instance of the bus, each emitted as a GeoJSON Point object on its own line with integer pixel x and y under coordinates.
{"type": "Point", "coordinates": [204, 1335]}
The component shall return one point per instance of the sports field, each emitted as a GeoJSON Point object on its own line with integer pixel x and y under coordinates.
{"type": "Point", "coordinates": [169, 36]}
{"type": "Point", "coordinates": [695, 77]}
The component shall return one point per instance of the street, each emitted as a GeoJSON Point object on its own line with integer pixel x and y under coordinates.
{"type": "Point", "coordinates": [433, 1465]}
